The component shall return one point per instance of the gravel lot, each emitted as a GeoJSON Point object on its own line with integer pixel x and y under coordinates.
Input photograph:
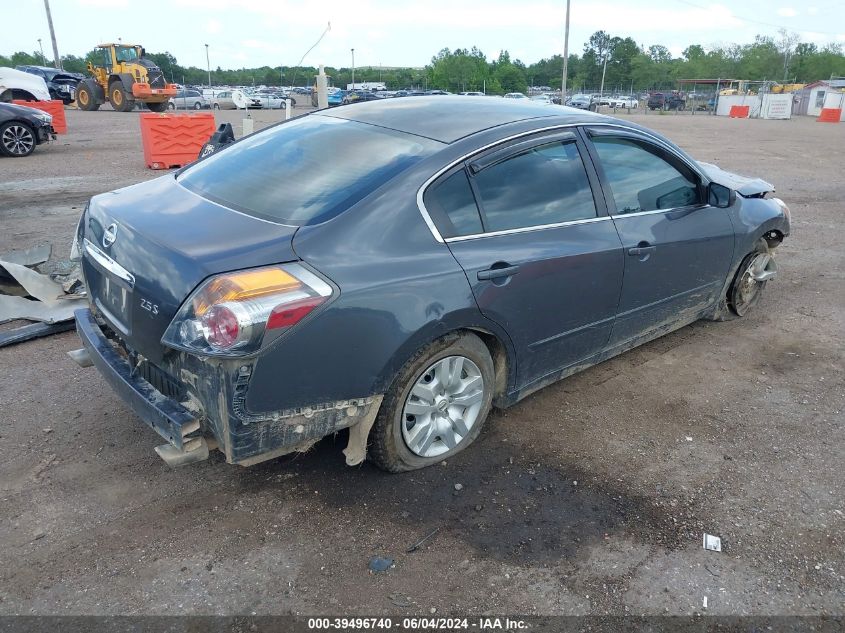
{"type": "Point", "coordinates": [591, 496]}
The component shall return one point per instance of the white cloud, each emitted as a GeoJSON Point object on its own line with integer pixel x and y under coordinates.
{"type": "Point", "coordinates": [213, 26]}
{"type": "Point", "coordinates": [812, 11]}
{"type": "Point", "coordinates": [787, 12]}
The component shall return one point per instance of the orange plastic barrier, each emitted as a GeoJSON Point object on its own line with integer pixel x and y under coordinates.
{"type": "Point", "coordinates": [739, 112]}
{"type": "Point", "coordinates": [55, 108]}
{"type": "Point", "coordinates": [174, 140]}
{"type": "Point", "coordinates": [830, 115]}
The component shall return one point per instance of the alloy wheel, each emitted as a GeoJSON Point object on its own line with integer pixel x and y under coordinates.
{"type": "Point", "coordinates": [18, 140]}
{"type": "Point", "coordinates": [442, 406]}
{"type": "Point", "coordinates": [750, 285]}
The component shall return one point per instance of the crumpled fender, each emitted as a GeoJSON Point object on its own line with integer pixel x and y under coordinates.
{"type": "Point", "coordinates": [743, 185]}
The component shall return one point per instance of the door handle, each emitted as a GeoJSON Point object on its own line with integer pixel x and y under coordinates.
{"type": "Point", "coordinates": [497, 273]}
{"type": "Point", "coordinates": [643, 248]}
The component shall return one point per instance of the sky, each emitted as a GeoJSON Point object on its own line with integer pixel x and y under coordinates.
{"type": "Point", "coordinates": [251, 33]}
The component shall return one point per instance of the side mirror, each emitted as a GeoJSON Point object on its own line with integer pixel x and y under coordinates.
{"type": "Point", "coordinates": [720, 196]}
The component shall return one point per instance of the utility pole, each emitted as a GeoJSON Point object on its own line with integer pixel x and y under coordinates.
{"type": "Point", "coordinates": [208, 65]}
{"type": "Point", "coordinates": [43, 59]}
{"type": "Point", "coordinates": [565, 56]}
{"type": "Point", "coordinates": [57, 61]}
{"type": "Point", "coordinates": [603, 71]}
{"type": "Point", "coordinates": [353, 68]}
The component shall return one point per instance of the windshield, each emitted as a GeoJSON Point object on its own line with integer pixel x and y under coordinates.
{"type": "Point", "coordinates": [126, 53]}
{"type": "Point", "coordinates": [307, 170]}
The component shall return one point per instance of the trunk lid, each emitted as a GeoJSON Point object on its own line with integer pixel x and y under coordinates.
{"type": "Point", "coordinates": [167, 239]}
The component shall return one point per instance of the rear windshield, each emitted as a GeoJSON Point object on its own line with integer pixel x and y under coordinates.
{"type": "Point", "coordinates": [307, 170]}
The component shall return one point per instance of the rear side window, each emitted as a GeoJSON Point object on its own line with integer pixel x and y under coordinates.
{"type": "Point", "coordinates": [641, 179]}
{"type": "Point", "coordinates": [452, 203]}
{"type": "Point", "coordinates": [544, 185]}
{"type": "Point", "coordinates": [307, 170]}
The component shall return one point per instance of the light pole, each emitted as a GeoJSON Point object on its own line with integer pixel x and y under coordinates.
{"type": "Point", "coordinates": [565, 57]}
{"type": "Point", "coordinates": [208, 65]}
{"type": "Point", "coordinates": [43, 59]}
{"type": "Point", "coordinates": [57, 61]}
{"type": "Point", "coordinates": [353, 68]}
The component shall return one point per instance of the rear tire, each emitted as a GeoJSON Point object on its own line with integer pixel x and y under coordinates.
{"type": "Point", "coordinates": [197, 106]}
{"type": "Point", "coordinates": [216, 106]}
{"type": "Point", "coordinates": [455, 378]}
{"type": "Point", "coordinates": [158, 107]}
{"type": "Point", "coordinates": [85, 96]}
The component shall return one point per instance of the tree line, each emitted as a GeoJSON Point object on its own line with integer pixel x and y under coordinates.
{"type": "Point", "coordinates": [624, 64]}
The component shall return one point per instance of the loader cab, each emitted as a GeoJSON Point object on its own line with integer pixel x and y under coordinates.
{"type": "Point", "coordinates": [127, 54]}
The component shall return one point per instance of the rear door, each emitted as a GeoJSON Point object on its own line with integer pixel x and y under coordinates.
{"type": "Point", "coordinates": [542, 257]}
{"type": "Point", "coordinates": [678, 249]}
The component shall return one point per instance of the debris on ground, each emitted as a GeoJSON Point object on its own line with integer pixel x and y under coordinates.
{"type": "Point", "coordinates": [33, 288]}
{"type": "Point", "coordinates": [399, 600]}
{"type": "Point", "coordinates": [712, 543]}
{"type": "Point", "coordinates": [378, 564]}
{"type": "Point", "coordinates": [419, 543]}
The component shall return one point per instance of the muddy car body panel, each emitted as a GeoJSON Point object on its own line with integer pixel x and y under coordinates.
{"type": "Point", "coordinates": [395, 275]}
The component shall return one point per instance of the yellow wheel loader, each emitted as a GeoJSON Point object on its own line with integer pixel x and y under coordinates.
{"type": "Point", "coordinates": [123, 76]}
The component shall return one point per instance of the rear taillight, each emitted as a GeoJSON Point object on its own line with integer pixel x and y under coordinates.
{"type": "Point", "coordinates": [239, 313]}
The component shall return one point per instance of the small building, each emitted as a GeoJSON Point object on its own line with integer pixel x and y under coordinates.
{"type": "Point", "coordinates": [820, 94]}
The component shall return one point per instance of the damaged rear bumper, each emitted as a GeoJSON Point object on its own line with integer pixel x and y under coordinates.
{"type": "Point", "coordinates": [165, 416]}
{"type": "Point", "coordinates": [215, 393]}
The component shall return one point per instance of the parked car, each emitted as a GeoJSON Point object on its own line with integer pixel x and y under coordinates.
{"type": "Point", "coordinates": [274, 101]}
{"type": "Point", "coordinates": [660, 101]}
{"type": "Point", "coordinates": [541, 98]}
{"type": "Point", "coordinates": [16, 84]}
{"type": "Point", "coordinates": [582, 102]}
{"type": "Point", "coordinates": [336, 98]}
{"type": "Point", "coordinates": [235, 100]}
{"type": "Point", "coordinates": [61, 85]}
{"type": "Point", "coordinates": [515, 95]}
{"type": "Point", "coordinates": [356, 96]}
{"type": "Point", "coordinates": [188, 99]}
{"type": "Point", "coordinates": [472, 94]}
{"type": "Point", "coordinates": [624, 101]}
{"type": "Point", "coordinates": [437, 92]}
{"type": "Point", "coordinates": [22, 128]}
{"type": "Point", "coordinates": [283, 288]}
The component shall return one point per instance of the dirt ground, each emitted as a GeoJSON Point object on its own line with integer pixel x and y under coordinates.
{"type": "Point", "coordinates": [589, 497]}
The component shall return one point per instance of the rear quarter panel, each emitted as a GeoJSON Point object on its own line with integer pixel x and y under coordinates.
{"type": "Point", "coordinates": [399, 290]}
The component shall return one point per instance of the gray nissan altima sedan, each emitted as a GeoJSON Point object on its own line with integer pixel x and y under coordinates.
{"type": "Point", "coordinates": [399, 267]}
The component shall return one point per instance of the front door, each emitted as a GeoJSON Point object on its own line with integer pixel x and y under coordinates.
{"type": "Point", "coordinates": [678, 249]}
{"type": "Point", "coordinates": [543, 259]}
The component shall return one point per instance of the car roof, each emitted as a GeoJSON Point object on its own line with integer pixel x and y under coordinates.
{"type": "Point", "coordinates": [450, 118]}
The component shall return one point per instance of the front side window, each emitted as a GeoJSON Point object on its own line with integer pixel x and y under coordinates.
{"type": "Point", "coordinates": [126, 54]}
{"type": "Point", "coordinates": [641, 179]}
{"type": "Point", "coordinates": [546, 184]}
{"type": "Point", "coordinates": [307, 170]}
